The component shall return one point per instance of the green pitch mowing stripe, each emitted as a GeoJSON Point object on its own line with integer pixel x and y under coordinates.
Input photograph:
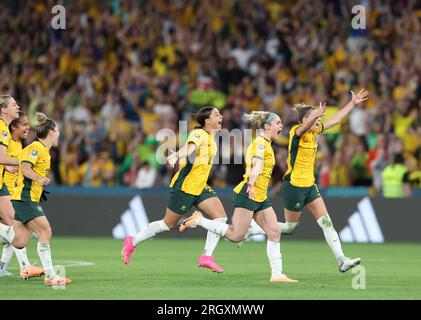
{"type": "Point", "coordinates": [166, 269]}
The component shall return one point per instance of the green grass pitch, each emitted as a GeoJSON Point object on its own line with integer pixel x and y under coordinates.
{"type": "Point", "coordinates": [166, 269]}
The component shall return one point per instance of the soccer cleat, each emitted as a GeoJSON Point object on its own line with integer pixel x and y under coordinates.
{"type": "Point", "coordinates": [209, 262]}
{"type": "Point", "coordinates": [349, 263]}
{"type": "Point", "coordinates": [128, 249]}
{"type": "Point", "coordinates": [57, 281]}
{"type": "Point", "coordinates": [282, 278]}
{"type": "Point", "coordinates": [191, 222]}
{"type": "Point", "coordinates": [31, 272]}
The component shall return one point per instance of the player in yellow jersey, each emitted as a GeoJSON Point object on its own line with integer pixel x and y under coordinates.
{"type": "Point", "coordinates": [299, 189]}
{"type": "Point", "coordinates": [9, 110]}
{"type": "Point", "coordinates": [33, 177]}
{"type": "Point", "coordinates": [251, 195]}
{"type": "Point", "coordinates": [19, 129]}
{"type": "Point", "coordinates": [189, 187]}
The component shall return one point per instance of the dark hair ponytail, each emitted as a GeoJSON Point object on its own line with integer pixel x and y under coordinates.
{"type": "Point", "coordinates": [202, 115]}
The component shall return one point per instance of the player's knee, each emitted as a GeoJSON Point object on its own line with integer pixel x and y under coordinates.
{"type": "Point", "coordinates": [45, 235]}
{"type": "Point", "coordinates": [19, 242]}
{"type": "Point", "coordinates": [273, 233]}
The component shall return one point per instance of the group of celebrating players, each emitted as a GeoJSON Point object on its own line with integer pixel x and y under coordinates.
{"type": "Point", "coordinates": [23, 176]}
{"type": "Point", "coordinates": [189, 187]}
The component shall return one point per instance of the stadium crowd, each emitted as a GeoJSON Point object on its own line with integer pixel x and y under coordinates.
{"type": "Point", "coordinates": [123, 70]}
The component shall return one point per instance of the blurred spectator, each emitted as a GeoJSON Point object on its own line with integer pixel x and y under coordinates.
{"type": "Point", "coordinates": [395, 179]}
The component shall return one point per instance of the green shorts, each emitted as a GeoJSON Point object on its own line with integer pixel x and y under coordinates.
{"type": "Point", "coordinates": [181, 202]}
{"type": "Point", "coordinates": [4, 191]}
{"type": "Point", "coordinates": [296, 198]}
{"type": "Point", "coordinates": [242, 200]}
{"type": "Point", "coordinates": [26, 211]}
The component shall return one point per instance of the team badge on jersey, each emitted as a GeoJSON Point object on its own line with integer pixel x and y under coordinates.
{"type": "Point", "coordinates": [5, 134]}
{"type": "Point", "coordinates": [197, 136]}
{"type": "Point", "coordinates": [34, 153]}
{"type": "Point", "coordinates": [261, 147]}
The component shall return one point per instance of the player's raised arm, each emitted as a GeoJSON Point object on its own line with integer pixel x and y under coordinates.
{"type": "Point", "coordinates": [309, 119]}
{"type": "Point", "coordinates": [337, 117]}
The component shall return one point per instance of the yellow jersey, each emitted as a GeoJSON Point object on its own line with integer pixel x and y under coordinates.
{"type": "Point", "coordinates": [39, 157]}
{"type": "Point", "coordinates": [259, 148]}
{"type": "Point", "coordinates": [192, 176]}
{"type": "Point", "coordinates": [4, 140]}
{"type": "Point", "coordinates": [9, 179]}
{"type": "Point", "coordinates": [301, 157]}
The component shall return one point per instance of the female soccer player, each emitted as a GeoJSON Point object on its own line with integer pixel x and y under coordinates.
{"type": "Point", "coordinates": [35, 166]}
{"type": "Point", "coordinates": [299, 189]}
{"type": "Point", "coordinates": [9, 110]}
{"type": "Point", "coordinates": [251, 195]}
{"type": "Point", "coordinates": [19, 129]}
{"type": "Point", "coordinates": [189, 187]}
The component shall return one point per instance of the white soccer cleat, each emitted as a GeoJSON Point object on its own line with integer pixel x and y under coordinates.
{"type": "Point", "coordinates": [349, 263]}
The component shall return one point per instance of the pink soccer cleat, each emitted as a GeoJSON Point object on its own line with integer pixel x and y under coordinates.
{"type": "Point", "coordinates": [128, 249]}
{"type": "Point", "coordinates": [209, 262]}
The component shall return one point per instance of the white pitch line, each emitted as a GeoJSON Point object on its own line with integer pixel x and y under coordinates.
{"type": "Point", "coordinates": [64, 263]}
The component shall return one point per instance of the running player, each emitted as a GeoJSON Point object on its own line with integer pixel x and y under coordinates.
{"type": "Point", "coordinates": [299, 189]}
{"type": "Point", "coordinates": [189, 187]}
{"type": "Point", "coordinates": [35, 166]}
{"type": "Point", "coordinates": [19, 129]}
{"type": "Point", "coordinates": [251, 195]}
{"type": "Point", "coordinates": [9, 110]}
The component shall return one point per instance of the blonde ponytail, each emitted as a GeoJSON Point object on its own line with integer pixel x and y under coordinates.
{"type": "Point", "coordinates": [41, 118]}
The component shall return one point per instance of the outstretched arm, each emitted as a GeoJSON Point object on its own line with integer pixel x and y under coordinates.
{"type": "Point", "coordinates": [184, 152]}
{"type": "Point", "coordinates": [309, 121]}
{"type": "Point", "coordinates": [337, 117]}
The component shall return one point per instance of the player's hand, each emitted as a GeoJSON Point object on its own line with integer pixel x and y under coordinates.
{"type": "Point", "coordinates": [360, 97]}
{"type": "Point", "coordinates": [172, 159]}
{"type": "Point", "coordinates": [250, 191]}
{"type": "Point", "coordinates": [320, 111]}
{"type": "Point", "coordinates": [44, 181]}
{"type": "Point", "coordinates": [12, 169]}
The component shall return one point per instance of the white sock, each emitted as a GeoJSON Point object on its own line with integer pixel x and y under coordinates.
{"type": "Point", "coordinates": [7, 233]}
{"type": "Point", "coordinates": [332, 237]}
{"type": "Point", "coordinates": [44, 253]}
{"type": "Point", "coordinates": [212, 240]}
{"type": "Point", "coordinates": [215, 226]}
{"type": "Point", "coordinates": [273, 250]}
{"type": "Point", "coordinates": [151, 230]}
{"type": "Point", "coordinates": [288, 227]}
{"type": "Point", "coordinates": [6, 257]}
{"type": "Point", "coordinates": [22, 257]}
